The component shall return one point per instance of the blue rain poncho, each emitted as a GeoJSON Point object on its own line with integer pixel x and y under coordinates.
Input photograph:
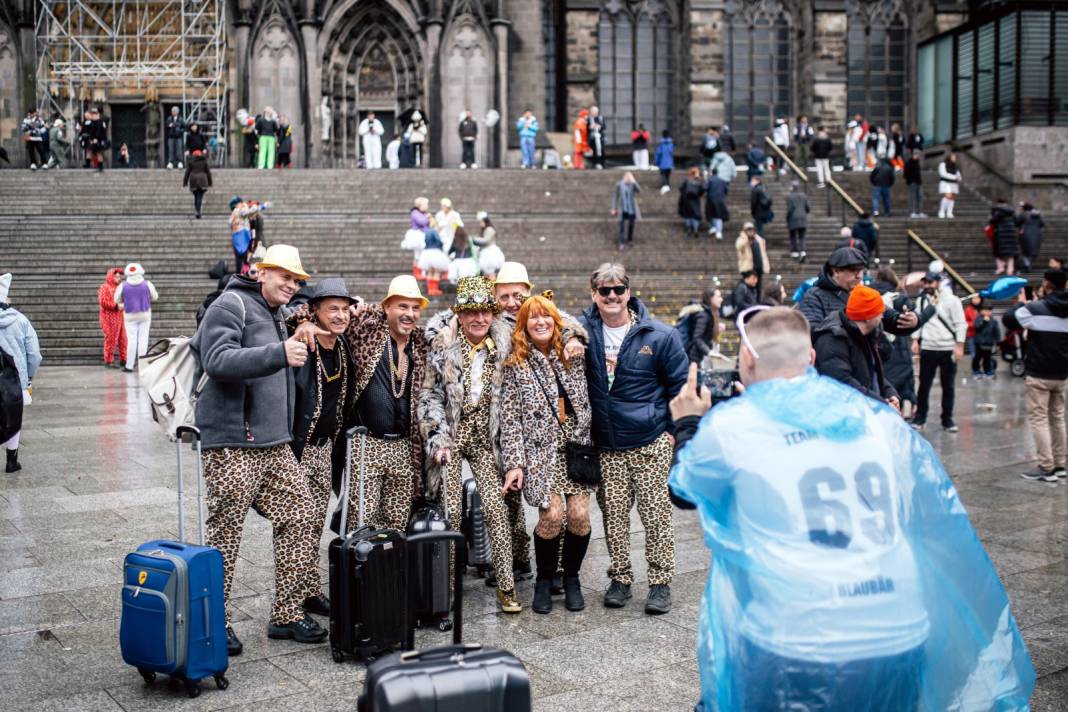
{"type": "Point", "coordinates": [845, 573]}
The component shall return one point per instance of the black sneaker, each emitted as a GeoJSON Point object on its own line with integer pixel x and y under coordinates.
{"type": "Point", "coordinates": [1059, 472]}
{"type": "Point", "coordinates": [617, 595]}
{"type": "Point", "coordinates": [491, 579]}
{"type": "Point", "coordinates": [306, 630]}
{"type": "Point", "coordinates": [319, 605]}
{"type": "Point", "coordinates": [1039, 475]}
{"type": "Point", "coordinates": [659, 601]}
{"type": "Point", "coordinates": [521, 570]}
{"type": "Point", "coordinates": [233, 645]}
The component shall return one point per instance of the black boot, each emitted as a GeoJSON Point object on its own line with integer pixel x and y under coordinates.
{"type": "Point", "coordinates": [545, 560]}
{"type": "Point", "coordinates": [574, 552]}
{"type": "Point", "coordinates": [13, 461]}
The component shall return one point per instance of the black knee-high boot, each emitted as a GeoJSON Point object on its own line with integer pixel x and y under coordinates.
{"type": "Point", "coordinates": [14, 466]}
{"type": "Point", "coordinates": [575, 546]}
{"type": "Point", "coordinates": [545, 560]}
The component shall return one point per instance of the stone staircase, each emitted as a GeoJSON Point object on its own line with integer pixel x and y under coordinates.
{"type": "Point", "coordinates": [60, 231]}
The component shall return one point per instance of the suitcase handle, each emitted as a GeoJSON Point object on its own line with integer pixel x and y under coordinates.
{"type": "Point", "coordinates": [194, 436]}
{"type": "Point", "coordinates": [445, 651]}
{"type": "Point", "coordinates": [346, 483]}
{"type": "Point", "coordinates": [457, 538]}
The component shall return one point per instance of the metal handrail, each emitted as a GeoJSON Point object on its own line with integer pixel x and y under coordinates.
{"type": "Point", "coordinates": [953, 274]}
{"type": "Point", "coordinates": [847, 198]}
{"type": "Point", "coordinates": [793, 166]}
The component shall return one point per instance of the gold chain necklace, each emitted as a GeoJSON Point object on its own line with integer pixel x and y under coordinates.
{"type": "Point", "coordinates": [327, 376]}
{"type": "Point", "coordinates": [399, 372]}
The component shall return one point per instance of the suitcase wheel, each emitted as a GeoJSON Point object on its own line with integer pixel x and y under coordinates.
{"type": "Point", "coordinates": [444, 625]}
{"type": "Point", "coordinates": [221, 682]}
{"type": "Point", "coordinates": [337, 655]}
{"type": "Point", "coordinates": [148, 675]}
{"type": "Point", "coordinates": [192, 688]}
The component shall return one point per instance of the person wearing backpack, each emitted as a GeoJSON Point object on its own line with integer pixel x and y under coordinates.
{"type": "Point", "coordinates": [698, 325]}
{"type": "Point", "coordinates": [18, 340]}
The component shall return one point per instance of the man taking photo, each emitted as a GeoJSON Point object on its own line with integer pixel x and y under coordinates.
{"type": "Point", "coordinates": [845, 573]}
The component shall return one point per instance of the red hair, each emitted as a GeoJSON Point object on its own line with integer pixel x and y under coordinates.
{"type": "Point", "coordinates": [521, 345]}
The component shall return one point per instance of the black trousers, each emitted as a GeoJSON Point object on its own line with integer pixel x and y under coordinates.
{"type": "Point", "coordinates": [468, 157]}
{"type": "Point", "coordinates": [797, 239]}
{"type": "Point", "coordinates": [942, 363]}
{"type": "Point", "coordinates": [198, 200]}
{"type": "Point", "coordinates": [629, 219]}
{"type": "Point", "coordinates": [665, 177]}
{"type": "Point", "coordinates": [983, 361]}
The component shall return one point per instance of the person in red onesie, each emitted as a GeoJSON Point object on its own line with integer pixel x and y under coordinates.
{"type": "Point", "coordinates": [111, 319]}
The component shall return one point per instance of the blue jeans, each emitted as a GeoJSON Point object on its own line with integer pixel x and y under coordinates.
{"type": "Point", "coordinates": [886, 684]}
{"type": "Point", "coordinates": [526, 148]}
{"type": "Point", "coordinates": [880, 193]}
{"type": "Point", "coordinates": [691, 224]}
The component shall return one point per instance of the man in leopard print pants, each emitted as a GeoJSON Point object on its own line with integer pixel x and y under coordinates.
{"type": "Point", "coordinates": [459, 416]}
{"type": "Point", "coordinates": [635, 366]}
{"type": "Point", "coordinates": [245, 415]}
{"type": "Point", "coordinates": [321, 390]}
{"type": "Point", "coordinates": [388, 360]}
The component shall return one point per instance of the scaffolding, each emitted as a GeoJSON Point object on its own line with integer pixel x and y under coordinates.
{"type": "Point", "coordinates": [172, 51]}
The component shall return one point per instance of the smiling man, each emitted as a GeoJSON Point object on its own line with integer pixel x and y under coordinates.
{"type": "Point", "coordinates": [635, 366]}
{"type": "Point", "coordinates": [245, 415]}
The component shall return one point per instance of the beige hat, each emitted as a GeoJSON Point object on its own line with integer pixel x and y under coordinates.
{"type": "Point", "coordinates": [283, 257]}
{"type": "Point", "coordinates": [513, 273]}
{"type": "Point", "coordinates": [405, 286]}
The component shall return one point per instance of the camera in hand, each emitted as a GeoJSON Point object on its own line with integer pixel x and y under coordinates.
{"type": "Point", "coordinates": [721, 383]}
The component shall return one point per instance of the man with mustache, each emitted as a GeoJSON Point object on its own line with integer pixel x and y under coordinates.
{"type": "Point", "coordinates": [321, 389]}
{"type": "Point", "coordinates": [245, 416]}
{"type": "Point", "coordinates": [460, 416]}
{"type": "Point", "coordinates": [635, 366]}
{"type": "Point", "coordinates": [388, 359]}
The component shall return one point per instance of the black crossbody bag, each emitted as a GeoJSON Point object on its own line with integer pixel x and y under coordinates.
{"type": "Point", "coordinates": [583, 462]}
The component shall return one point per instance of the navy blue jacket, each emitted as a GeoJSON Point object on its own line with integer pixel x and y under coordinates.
{"type": "Point", "coordinates": [651, 369]}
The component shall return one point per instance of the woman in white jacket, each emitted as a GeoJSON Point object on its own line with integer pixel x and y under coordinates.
{"type": "Point", "coordinates": [949, 178]}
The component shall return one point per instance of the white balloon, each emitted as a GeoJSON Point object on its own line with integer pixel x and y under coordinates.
{"type": "Point", "coordinates": [492, 117]}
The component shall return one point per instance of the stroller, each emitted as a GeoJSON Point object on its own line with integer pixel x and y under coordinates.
{"type": "Point", "coordinates": [1012, 351]}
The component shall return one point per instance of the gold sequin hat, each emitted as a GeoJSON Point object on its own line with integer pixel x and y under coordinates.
{"type": "Point", "coordinates": [475, 294]}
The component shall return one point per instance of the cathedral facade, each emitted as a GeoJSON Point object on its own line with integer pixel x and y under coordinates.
{"type": "Point", "coordinates": [676, 65]}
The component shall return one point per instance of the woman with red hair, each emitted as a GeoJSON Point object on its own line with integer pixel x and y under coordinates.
{"type": "Point", "coordinates": [544, 406]}
{"type": "Point", "coordinates": [111, 321]}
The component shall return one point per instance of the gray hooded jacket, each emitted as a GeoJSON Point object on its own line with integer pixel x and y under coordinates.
{"type": "Point", "coordinates": [249, 397]}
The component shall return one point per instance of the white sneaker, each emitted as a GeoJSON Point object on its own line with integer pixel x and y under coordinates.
{"type": "Point", "coordinates": [33, 166]}
{"type": "Point", "coordinates": [180, 164]}
{"type": "Point", "coordinates": [474, 166]}
{"type": "Point", "coordinates": [711, 231]}
{"type": "Point", "coordinates": [46, 166]}
{"type": "Point", "coordinates": [170, 166]}
{"type": "Point", "coordinates": [665, 189]}
{"type": "Point", "coordinates": [795, 255]}
{"type": "Point", "coordinates": [463, 166]}
{"type": "Point", "coordinates": [719, 235]}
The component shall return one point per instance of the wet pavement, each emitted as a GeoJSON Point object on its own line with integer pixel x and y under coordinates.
{"type": "Point", "coordinates": [99, 478]}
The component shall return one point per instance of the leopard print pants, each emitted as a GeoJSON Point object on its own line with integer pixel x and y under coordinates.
{"type": "Point", "coordinates": [389, 486]}
{"type": "Point", "coordinates": [471, 443]}
{"type": "Point", "coordinates": [273, 478]}
{"type": "Point", "coordinates": [315, 466]}
{"type": "Point", "coordinates": [638, 475]}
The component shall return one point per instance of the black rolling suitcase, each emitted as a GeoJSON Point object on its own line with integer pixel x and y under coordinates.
{"type": "Point", "coordinates": [369, 599]}
{"type": "Point", "coordinates": [428, 567]}
{"type": "Point", "coordinates": [473, 526]}
{"type": "Point", "coordinates": [452, 678]}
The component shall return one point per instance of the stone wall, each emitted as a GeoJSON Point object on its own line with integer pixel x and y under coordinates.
{"type": "Point", "coordinates": [708, 88]}
{"type": "Point", "coordinates": [526, 61]}
{"type": "Point", "coordinates": [828, 71]}
{"type": "Point", "coordinates": [581, 59]}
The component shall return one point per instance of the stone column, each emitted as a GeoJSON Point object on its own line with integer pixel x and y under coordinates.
{"type": "Point", "coordinates": [313, 152]}
{"type": "Point", "coordinates": [707, 46]}
{"type": "Point", "coordinates": [500, 31]}
{"type": "Point", "coordinates": [240, 95]}
{"type": "Point", "coordinates": [433, 89]}
{"type": "Point", "coordinates": [828, 71]}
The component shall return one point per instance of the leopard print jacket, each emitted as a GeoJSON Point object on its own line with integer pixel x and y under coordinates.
{"type": "Point", "coordinates": [530, 431]}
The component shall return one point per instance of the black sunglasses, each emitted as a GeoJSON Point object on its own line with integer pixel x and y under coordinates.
{"type": "Point", "coordinates": [619, 290]}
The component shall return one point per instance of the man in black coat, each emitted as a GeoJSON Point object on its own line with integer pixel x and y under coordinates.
{"type": "Point", "coordinates": [882, 180]}
{"type": "Point", "coordinates": [847, 346]}
{"type": "Point", "coordinates": [865, 231]}
{"type": "Point", "coordinates": [759, 204]}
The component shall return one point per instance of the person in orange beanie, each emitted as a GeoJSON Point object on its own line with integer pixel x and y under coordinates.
{"type": "Point", "coordinates": [847, 346]}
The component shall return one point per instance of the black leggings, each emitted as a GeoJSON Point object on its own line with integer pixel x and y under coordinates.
{"type": "Point", "coordinates": [198, 200]}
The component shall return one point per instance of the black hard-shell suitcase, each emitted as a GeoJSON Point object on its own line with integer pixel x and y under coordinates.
{"type": "Point", "coordinates": [428, 568]}
{"type": "Point", "coordinates": [369, 599]}
{"type": "Point", "coordinates": [473, 526]}
{"type": "Point", "coordinates": [452, 678]}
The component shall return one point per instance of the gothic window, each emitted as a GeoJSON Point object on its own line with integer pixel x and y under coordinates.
{"type": "Point", "coordinates": [877, 60]}
{"type": "Point", "coordinates": [760, 57]}
{"type": "Point", "coordinates": [636, 50]}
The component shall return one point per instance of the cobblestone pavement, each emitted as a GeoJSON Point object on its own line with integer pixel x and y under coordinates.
{"type": "Point", "coordinates": [99, 478]}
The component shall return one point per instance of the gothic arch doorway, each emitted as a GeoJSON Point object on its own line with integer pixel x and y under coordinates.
{"type": "Point", "coordinates": [373, 61]}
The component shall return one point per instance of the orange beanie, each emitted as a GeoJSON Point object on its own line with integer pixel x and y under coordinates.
{"type": "Point", "coordinates": [864, 303]}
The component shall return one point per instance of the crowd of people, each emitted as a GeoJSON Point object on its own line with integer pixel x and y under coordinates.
{"type": "Point", "coordinates": [125, 300]}
{"type": "Point", "coordinates": [442, 247]}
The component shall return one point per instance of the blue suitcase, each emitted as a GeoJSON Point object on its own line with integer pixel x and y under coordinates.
{"type": "Point", "coordinates": [173, 618]}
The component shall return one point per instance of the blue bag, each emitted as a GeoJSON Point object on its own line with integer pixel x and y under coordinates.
{"type": "Point", "coordinates": [173, 618]}
{"type": "Point", "coordinates": [845, 573]}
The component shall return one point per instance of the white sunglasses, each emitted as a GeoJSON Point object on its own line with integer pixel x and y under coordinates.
{"type": "Point", "coordinates": [743, 316]}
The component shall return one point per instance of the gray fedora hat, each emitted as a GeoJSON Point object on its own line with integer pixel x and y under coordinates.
{"type": "Point", "coordinates": [330, 287]}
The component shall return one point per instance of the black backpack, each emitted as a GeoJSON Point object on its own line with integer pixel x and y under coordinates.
{"type": "Point", "coordinates": [10, 397]}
